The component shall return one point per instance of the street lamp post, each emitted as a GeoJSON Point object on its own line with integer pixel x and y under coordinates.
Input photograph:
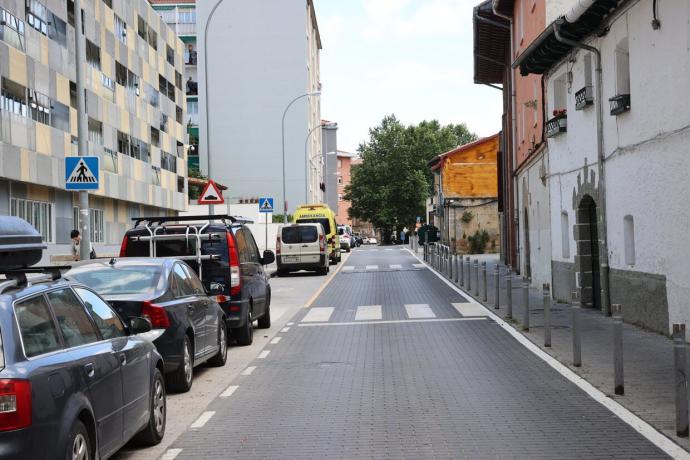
{"type": "Point", "coordinates": [314, 93]}
{"type": "Point", "coordinates": [307, 160]}
{"type": "Point", "coordinates": [311, 159]}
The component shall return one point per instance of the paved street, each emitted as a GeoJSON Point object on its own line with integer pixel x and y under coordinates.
{"type": "Point", "coordinates": [390, 362]}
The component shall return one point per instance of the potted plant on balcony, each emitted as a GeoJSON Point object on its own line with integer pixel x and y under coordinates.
{"type": "Point", "coordinates": [558, 124]}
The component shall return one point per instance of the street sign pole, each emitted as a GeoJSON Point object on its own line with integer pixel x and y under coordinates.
{"type": "Point", "coordinates": [80, 48]}
{"type": "Point", "coordinates": [266, 207]}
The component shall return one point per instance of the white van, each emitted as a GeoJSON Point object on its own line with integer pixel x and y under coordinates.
{"type": "Point", "coordinates": [301, 247]}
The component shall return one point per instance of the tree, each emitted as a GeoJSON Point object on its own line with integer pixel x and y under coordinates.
{"type": "Point", "coordinates": [389, 188]}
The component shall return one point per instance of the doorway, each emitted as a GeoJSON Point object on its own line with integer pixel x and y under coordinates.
{"type": "Point", "coordinates": [588, 253]}
{"type": "Point", "coordinates": [528, 267]}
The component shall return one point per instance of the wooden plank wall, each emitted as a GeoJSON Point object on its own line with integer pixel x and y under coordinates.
{"type": "Point", "coordinates": [472, 172]}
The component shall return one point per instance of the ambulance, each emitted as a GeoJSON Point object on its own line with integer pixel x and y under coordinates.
{"type": "Point", "coordinates": [320, 213]}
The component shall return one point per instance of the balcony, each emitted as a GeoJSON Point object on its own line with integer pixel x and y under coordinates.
{"type": "Point", "coordinates": [584, 98]}
{"type": "Point", "coordinates": [557, 125]}
{"type": "Point", "coordinates": [191, 87]}
{"type": "Point", "coordinates": [619, 104]}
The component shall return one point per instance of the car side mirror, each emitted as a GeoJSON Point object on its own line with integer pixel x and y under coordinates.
{"type": "Point", "coordinates": [268, 258]}
{"type": "Point", "coordinates": [139, 325]}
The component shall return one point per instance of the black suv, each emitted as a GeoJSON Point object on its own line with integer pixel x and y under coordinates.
{"type": "Point", "coordinates": [222, 251]}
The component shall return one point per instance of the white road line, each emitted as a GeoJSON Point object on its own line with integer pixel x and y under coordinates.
{"type": "Point", "coordinates": [348, 268]}
{"type": "Point", "coordinates": [229, 391]}
{"type": "Point", "coordinates": [418, 265]}
{"type": "Point", "coordinates": [319, 314]}
{"type": "Point", "coordinates": [290, 323]}
{"type": "Point", "coordinates": [368, 313]}
{"type": "Point", "coordinates": [389, 249]}
{"type": "Point", "coordinates": [203, 418]}
{"type": "Point", "coordinates": [645, 429]}
{"type": "Point", "coordinates": [372, 267]}
{"type": "Point", "coordinates": [470, 309]}
{"type": "Point", "coordinates": [263, 354]}
{"type": "Point", "coordinates": [275, 340]}
{"type": "Point", "coordinates": [248, 370]}
{"type": "Point", "coordinates": [170, 454]}
{"type": "Point", "coordinates": [394, 321]}
{"type": "Point", "coordinates": [419, 310]}
{"type": "Point", "coordinates": [285, 329]}
{"type": "Point", "coordinates": [396, 266]}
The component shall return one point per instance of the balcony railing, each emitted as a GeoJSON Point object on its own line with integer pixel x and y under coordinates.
{"type": "Point", "coordinates": [556, 125]}
{"type": "Point", "coordinates": [619, 104]}
{"type": "Point", "coordinates": [583, 98]}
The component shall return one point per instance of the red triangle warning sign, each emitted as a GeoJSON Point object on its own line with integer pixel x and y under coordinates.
{"type": "Point", "coordinates": [211, 194]}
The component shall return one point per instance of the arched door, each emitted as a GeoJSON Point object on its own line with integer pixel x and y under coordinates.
{"type": "Point", "coordinates": [588, 253]}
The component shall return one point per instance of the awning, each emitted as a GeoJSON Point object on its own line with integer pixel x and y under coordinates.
{"type": "Point", "coordinates": [545, 51]}
{"type": "Point", "coordinates": [491, 44]}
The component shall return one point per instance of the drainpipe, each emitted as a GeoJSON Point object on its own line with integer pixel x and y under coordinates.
{"type": "Point", "coordinates": [510, 198]}
{"type": "Point", "coordinates": [603, 244]}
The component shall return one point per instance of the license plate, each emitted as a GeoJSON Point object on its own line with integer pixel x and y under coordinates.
{"type": "Point", "coordinates": [291, 259]}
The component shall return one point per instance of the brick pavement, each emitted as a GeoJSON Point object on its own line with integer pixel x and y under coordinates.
{"type": "Point", "coordinates": [442, 388]}
{"type": "Point", "coordinates": [648, 356]}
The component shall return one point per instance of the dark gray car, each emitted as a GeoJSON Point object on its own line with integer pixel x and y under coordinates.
{"type": "Point", "coordinates": [75, 380]}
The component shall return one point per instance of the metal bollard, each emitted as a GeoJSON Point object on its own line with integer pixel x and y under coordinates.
{"type": "Point", "coordinates": [497, 281]}
{"type": "Point", "coordinates": [525, 300]}
{"type": "Point", "coordinates": [618, 382]}
{"type": "Point", "coordinates": [486, 288]}
{"type": "Point", "coordinates": [476, 277]}
{"type": "Point", "coordinates": [460, 278]}
{"type": "Point", "coordinates": [451, 272]}
{"type": "Point", "coordinates": [546, 293]}
{"type": "Point", "coordinates": [456, 269]}
{"type": "Point", "coordinates": [509, 293]}
{"type": "Point", "coordinates": [577, 343]}
{"type": "Point", "coordinates": [679, 362]}
{"type": "Point", "coordinates": [469, 275]}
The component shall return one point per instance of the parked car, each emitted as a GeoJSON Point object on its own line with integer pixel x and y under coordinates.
{"type": "Point", "coordinates": [171, 296]}
{"type": "Point", "coordinates": [365, 240]}
{"type": "Point", "coordinates": [358, 239]}
{"type": "Point", "coordinates": [373, 240]}
{"type": "Point", "coordinates": [320, 213]}
{"type": "Point", "coordinates": [346, 238]}
{"type": "Point", "coordinates": [223, 253]}
{"type": "Point", "coordinates": [74, 377]}
{"type": "Point", "coordinates": [302, 247]}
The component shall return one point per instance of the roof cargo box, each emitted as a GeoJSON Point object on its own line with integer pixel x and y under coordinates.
{"type": "Point", "coordinates": [20, 244]}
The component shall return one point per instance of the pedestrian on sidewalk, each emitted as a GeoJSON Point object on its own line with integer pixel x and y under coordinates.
{"type": "Point", "coordinates": [76, 240]}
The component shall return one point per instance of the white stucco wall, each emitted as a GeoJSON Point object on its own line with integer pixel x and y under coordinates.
{"type": "Point", "coordinates": [647, 149]}
{"type": "Point", "coordinates": [533, 195]}
{"type": "Point", "coordinates": [259, 59]}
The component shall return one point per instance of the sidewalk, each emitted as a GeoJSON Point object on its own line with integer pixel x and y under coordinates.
{"type": "Point", "coordinates": [647, 356]}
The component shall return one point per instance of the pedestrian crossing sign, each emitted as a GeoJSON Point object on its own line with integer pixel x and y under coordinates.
{"type": "Point", "coordinates": [82, 173]}
{"type": "Point", "coordinates": [265, 204]}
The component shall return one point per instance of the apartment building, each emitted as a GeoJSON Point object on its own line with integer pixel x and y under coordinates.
{"type": "Point", "coordinates": [344, 164]}
{"type": "Point", "coordinates": [263, 58]}
{"type": "Point", "coordinates": [133, 78]}
{"type": "Point", "coordinates": [180, 15]}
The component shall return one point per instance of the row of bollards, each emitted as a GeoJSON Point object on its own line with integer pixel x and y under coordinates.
{"type": "Point", "coordinates": [472, 276]}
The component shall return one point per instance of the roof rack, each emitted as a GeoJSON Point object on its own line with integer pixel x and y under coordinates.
{"type": "Point", "coordinates": [17, 278]}
{"type": "Point", "coordinates": [163, 219]}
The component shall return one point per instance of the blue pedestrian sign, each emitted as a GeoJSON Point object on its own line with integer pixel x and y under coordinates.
{"type": "Point", "coordinates": [265, 204]}
{"type": "Point", "coordinates": [82, 173]}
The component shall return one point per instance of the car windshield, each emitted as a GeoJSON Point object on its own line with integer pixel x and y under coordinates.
{"type": "Point", "coordinates": [129, 280]}
{"type": "Point", "coordinates": [324, 221]}
{"type": "Point", "coordinates": [299, 234]}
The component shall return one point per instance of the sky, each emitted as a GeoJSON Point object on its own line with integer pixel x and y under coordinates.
{"type": "Point", "coordinates": [411, 58]}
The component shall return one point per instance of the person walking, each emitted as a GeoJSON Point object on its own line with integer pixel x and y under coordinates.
{"type": "Point", "coordinates": [76, 240]}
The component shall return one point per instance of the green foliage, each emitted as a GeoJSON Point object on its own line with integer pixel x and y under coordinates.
{"type": "Point", "coordinates": [278, 218]}
{"type": "Point", "coordinates": [466, 217]}
{"type": "Point", "coordinates": [478, 242]}
{"type": "Point", "coordinates": [390, 186]}
{"type": "Point", "coordinates": [194, 191]}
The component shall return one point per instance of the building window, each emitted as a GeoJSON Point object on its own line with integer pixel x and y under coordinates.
{"type": "Point", "coordinates": [190, 56]}
{"type": "Point", "coordinates": [59, 117]}
{"type": "Point", "coordinates": [192, 107]}
{"type": "Point", "coordinates": [57, 29]}
{"type": "Point", "coordinates": [11, 30]}
{"type": "Point", "coordinates": [13, 98]}
{"type": "Point", "coordinates": [152, 95]}
{"type": "Point", "coordinates": [153, 38]}
{"type": "Point", "coordinates": [39, 107]}
{"type": "Point", "coordinates": [180, 149]}
{"type": "Point", "coordinates": [37, 16]}
{"type": "Point", "coordinates": [178, 114]}
{"type": "Point", "coordinates": [142, 27]}
{"type": "Point", "coordinates": [340, 197]}
{"type": "Point", "coordinates": [164, 123]}
{"type": "Point", "coordinates": [155, 137]}
{"type": "Point", "coordinates": [155, 175]}
{"type": "Point", "coordinates": [120, 29]}
{"type": "Point", "coordinates": [166, 88]}
{"type": "Point", "coordinates": [559, 94]}
{"type": "Point", "coordinates": [622, 67]}
{"type": "Point", "coordinates": [109, 85]}
{"type": "Point", "coordinates": [180, 184]}
{"type": "Point", "coordinates": [168, 162]}
{"type": "Point", "coordinates": [340, 180]}
{"type": "Point", "coordinates": [95, 131]}
{"type": "Point", "coordinates": [186, 16]}
{"type": "Point", "coordinates": [565, 235]}
{"type": "Point", "coordinates": [110, 161]}
{"type": "Point", "coordinates": [340, 164]}
{"type": "Point", "coordinates": [133, 147]}
{"type": "Point", "coordinates": [93, 55]}
{"type": "Point", "coordinates": [96, 224]}
{"type": "Point", "coordinates": [73, 95]}
{"type": "Point", "coordinates": [629, 239]}
{"type": "Point", "coordinates": [170, 55]}
{"type": "Point", "coordinates": [38, 213]}
{"type": "Point", "coordinates": [178, 80]}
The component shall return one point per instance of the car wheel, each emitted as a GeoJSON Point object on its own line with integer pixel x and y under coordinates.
{"type": "Point", "coordinates": [281, 272]}
{"type": "Point", "coordinates": [245, 334]}
{"type": "Point", "coordinates": [265, 321]}
{"type": "Point", "coordinates": [322, 271]}
{"type": "Point", "coordinates": [347, 250]}
{"type": "Point", "coordinates": [79, 443]}
{"type": "Point", "coordinates": [154, 430]}
{"type": "Point", "coordinates": [222, 356]}
{"type": "Point", "coordinates": [180, 380]}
